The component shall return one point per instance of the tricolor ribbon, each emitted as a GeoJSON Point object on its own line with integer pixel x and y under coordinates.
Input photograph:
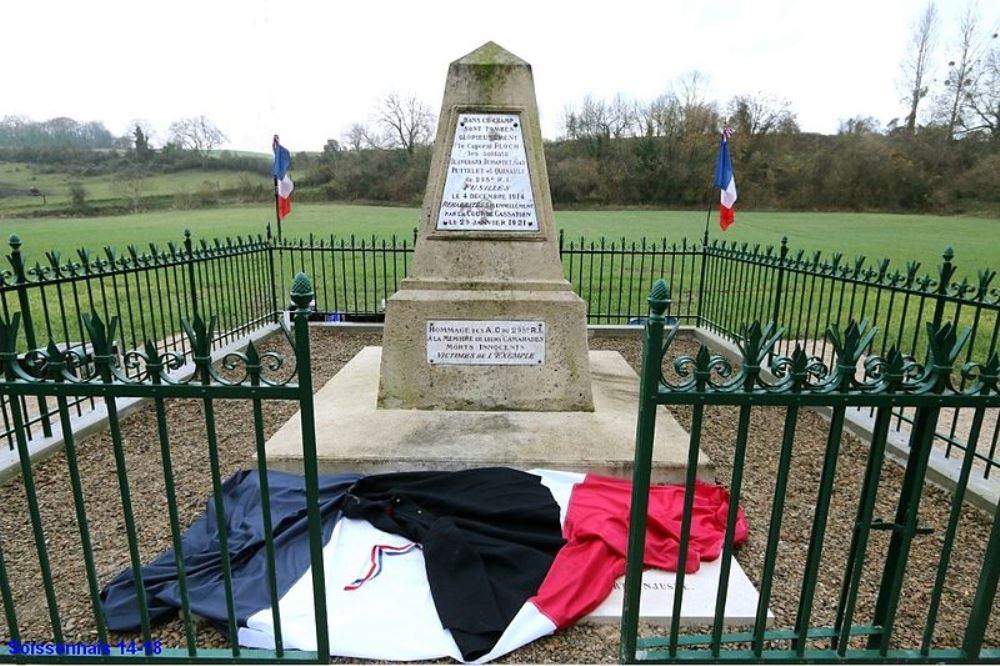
{"type": "Point", "coordinates": [375, 567]}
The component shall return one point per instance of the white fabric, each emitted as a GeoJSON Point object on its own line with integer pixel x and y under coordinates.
{"type": "Point", "coordinates": [391, 616]}
{"type": "Point", "coordinates": [560, 484]}
{"type": "Point", "coordinates": [285, 187]}
{"type": "Point", "coordinates": [729, 194]}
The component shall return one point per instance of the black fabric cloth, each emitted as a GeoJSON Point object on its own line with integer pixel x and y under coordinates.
{"type": "Point", "coordinates": [245, 533]}
{"type": "Point", "coordinates": [489, 537]}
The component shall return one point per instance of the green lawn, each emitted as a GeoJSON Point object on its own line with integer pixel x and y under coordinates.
{"type": "Point", "coordinates": [900, 237]}
{"type": "Point", "coordinates": [614, 289]}
{"type": "Point", "coordinates": [55, 186]}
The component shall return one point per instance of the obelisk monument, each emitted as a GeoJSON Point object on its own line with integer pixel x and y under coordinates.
{"type": "Point", "coordinates": [486, 320]}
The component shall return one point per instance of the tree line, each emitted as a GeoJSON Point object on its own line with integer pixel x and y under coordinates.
{"type": "Point", "coordinates": [941, 154]}
{"type": "Point", "coordinates": [89, 147]}
{"type": "Point", "coordinates": [662, 153]}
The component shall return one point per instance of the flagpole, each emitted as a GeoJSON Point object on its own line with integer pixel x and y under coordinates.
{"type": "Point", "coordinates": [277, 205]}
{"type": "Point", "coordinates": [277, 211]}
{"type": "Point", "coordinates": [708, 218]}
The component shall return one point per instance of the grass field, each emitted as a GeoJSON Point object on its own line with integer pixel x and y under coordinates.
{"type": "Point", "coordinates": [55, 186]}
{"type": "Point", "coordinates": [899, 237]}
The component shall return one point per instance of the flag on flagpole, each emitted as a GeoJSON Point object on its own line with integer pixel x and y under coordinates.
{"type": "Point", "coordinates": [282, 163]}
{"type": "Point", "coordinates": [725, 180]}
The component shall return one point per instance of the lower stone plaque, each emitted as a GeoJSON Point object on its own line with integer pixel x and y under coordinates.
{"type": "Point", "coordinates": [462, 342]}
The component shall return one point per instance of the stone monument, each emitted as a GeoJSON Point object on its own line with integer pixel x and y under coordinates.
{"type": "Point", "coordinates": [485, 358]}
{"type": "Point", "coordinates": [486, 321]}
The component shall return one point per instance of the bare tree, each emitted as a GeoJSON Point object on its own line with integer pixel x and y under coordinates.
{"type": "Point", "coordinates": [700, 116]}
{"type": "Point", "coordinates": [593, 119]}
{"type": "Point", "coordinates": [406, 122]}
{"type": "Point", "coordinates": [661, 117]}
{"type": "Point", "coordinates": [960, 73]}
{"type": "Point", "coordinates": [860, 126]}
{"type": "Point", "coordinates": [756, 115]}
{"type": "Point", "coordinates": [694, 86]}
{"type": "Point", "coordinates": [571, 122]}
{"type": "Point", "coordinates": [196, 133]}
{"type": "Point", "coordinates": [982, 96]}
{"type": "Point", "coordinates": [623, 118]}
{"type": "Point", "coordinates": [917, 60]}
{"type": "Point", "coordinates": [359, 136]}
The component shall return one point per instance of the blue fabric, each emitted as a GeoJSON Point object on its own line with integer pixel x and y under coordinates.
{"type": "Point", "coordinates": [723, 166]}
{"type": "Point", "coordinates": [245, 532]}
{"type": "Point", "coordinates": [282, 161]}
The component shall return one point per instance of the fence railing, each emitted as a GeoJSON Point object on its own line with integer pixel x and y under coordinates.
{"type": "Point", "coordinates": [798, 380]}
{"type": "Point", "coordinates": [717, 286]}
{"type": "Point", "coordinates": [148, 292]}
{"type": "Point", "coordinates": [104, 373]}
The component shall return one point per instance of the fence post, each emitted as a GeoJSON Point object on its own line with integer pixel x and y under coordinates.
{"type": "Point", "coordinates": [986, 592]}
{"type": "Point", "coordinates": [779, 286]}
{"type": "Point", "coordinates": [701, 281]}
{"type": "Point", "coordinates": [21, 284]}
{"type": "Point", "coordinates": [652, 353]}
{"type": "Point", "coordinates": [189, 252]}
{"type": "Point", "coordinates": [945, 273]}
{"type": "Point", "coordinates": [943, 348]}
{"type": "Point", "coordinates": [302, 295]}
{"type": "Point", "coordinates": [273, 283]}
{"type": "Point", "coordinates": [778, 289]}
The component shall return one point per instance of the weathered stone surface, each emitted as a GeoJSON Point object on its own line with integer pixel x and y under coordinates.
{"type": "Point", "coordinates": [354, 436]}
{"type": "Point", "coordinates": [488, 261]}
{"type": "Point", "coordinates": [562, 383]}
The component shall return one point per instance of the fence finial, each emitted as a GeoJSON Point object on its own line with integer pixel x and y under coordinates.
{"type": "Point", "coordinates": [302, 291]}
{"type": "Point", "coordinates": [659, 298]}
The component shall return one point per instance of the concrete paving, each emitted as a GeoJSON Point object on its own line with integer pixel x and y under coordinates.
{"type": "Point", "coordinates": [355, 436]}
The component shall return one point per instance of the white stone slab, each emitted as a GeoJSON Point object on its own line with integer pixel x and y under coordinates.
{"type": "Point", "coordinates": [353, 435]}
{"type": "Point", "coordinates": [465, 342]}
{"type": "Point", "coordinates": [656, 603]}
{"type": "Point", "coordinates": [488, 185]}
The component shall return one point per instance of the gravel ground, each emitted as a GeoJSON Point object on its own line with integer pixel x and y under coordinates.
{"type": "Point", "coordinates": [581, 644]}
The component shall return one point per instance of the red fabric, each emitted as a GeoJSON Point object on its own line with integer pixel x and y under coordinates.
{"type": "Point", "coordinates": [284, 207]}
{"type": "Point", "coordinates": [596, 531]}
{"type": "Point", "coordinates": [726, 217]}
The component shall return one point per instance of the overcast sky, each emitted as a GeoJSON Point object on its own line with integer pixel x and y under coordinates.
{"type": "Point", "coordinates": [307, 70]}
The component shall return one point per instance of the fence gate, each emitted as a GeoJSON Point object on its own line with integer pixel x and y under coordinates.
{"type": "Point", "coordinates": [789, 384]}
{"type": "Point", "coordinates": [63, 374]}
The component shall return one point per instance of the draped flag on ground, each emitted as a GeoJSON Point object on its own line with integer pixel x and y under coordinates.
{"type": "Point", "coordinates": [725, 180]}
{"type": "Point", "coordinates": [482, 561]}
{"type": "Point", "coordinates": [282, 163]}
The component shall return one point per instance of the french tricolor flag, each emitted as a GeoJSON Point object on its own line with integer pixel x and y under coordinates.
{"type": "Point", "coordinates": [725, 180]}
{"type": "Point", "coordinates": [282, 181]}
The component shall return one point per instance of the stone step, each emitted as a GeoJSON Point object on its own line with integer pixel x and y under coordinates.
{"type": "Point", "coordinates": [355, 436]}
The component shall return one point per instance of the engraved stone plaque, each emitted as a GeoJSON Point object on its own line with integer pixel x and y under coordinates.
{"type": "Point", "coordinates": [486, 342]}
{"type": "Point", "coordinates": [488, 186]}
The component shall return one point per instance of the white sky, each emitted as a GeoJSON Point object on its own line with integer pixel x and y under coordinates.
{"type": "Point", "coordinates": [308, 69]}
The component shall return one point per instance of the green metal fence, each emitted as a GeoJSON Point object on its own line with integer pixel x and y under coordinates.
{"type": "Point", "coordinates": [794, 381]}
{"type": "Point", "coordinates": [717, 286]}
{"type": "Point", "coordinates": [57, 376]}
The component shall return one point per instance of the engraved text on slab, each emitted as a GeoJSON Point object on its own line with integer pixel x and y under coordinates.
{"type": "Point", "coordinates": [488, 185]}
{"type": "Point", "coordinates": [485, 342]}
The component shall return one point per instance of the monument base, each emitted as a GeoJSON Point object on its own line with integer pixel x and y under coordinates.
{"type": "Point", "coordinates": [552, 378]}
{"type": "Point", "coordinates": [354, 436]}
